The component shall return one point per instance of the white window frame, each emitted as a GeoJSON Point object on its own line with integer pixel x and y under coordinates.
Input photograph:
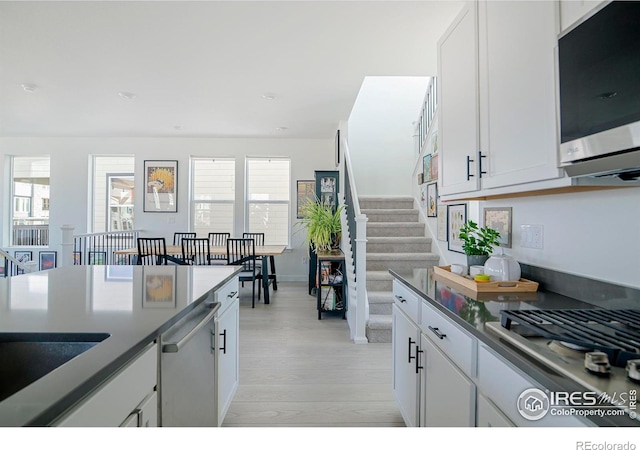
{"type": "Point", "coordinates": [248, 202]}
{"type": "Point", "coordinates": [13, 196]}
{"type": "Point", "coordinates": [192, 197]}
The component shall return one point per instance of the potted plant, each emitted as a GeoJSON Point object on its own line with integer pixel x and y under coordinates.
{"type": "Point", "coordinates": [322, 223]}
{"type": "Point", "coordinates": [477, 242]}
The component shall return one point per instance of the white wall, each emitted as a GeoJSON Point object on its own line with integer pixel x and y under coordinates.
{"type": "Point", "coordinates": [591, 234]}
{"type": "Point", "coordinates": [71, 192]}
{"type": "Point", "coordinates": [381, 133]}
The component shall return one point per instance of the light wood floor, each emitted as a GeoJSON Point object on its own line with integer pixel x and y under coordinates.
{"type": "Point", "coordinates": [298, 371]}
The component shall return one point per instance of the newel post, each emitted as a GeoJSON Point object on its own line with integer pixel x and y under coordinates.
{"type": "Point", "coordinates": [66, 255]}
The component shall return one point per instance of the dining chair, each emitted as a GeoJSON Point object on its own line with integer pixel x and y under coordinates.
{"type": "Point", "coordinates": [219, 240]}
{"type": "Point", "coordinates": [177, 237]}
{"type": "Point", "coordinates": [196, 251]}
{"type": "Point", "coordinates": [242, 252]}
{"type": "Point", "coordinates": [152, 251]}
{"type": "Point", "coordinates": [259, 238]}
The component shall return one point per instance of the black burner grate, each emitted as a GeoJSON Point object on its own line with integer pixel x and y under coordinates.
{"type": "Point", "coordinates": [613, 331]}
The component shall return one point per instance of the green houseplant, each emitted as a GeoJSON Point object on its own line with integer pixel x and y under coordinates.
{"type": "Point", "coordinates": [477, 242]}
{"type": "Point", "coordinates": [322, 223]}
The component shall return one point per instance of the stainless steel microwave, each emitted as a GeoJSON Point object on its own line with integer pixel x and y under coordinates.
{"type": "Point", "coordinates": [599, 91]}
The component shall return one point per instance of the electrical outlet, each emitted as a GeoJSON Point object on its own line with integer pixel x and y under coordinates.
{"type": "Point", "coordinates": [532, 236]}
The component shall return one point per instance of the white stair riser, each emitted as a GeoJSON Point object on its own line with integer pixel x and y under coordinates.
{"type": "Point", "coordinates": [378, 336]}
{"type": "Point", "coordinates": [381, 308]}
{"type": "Point", "coordinates": [379, 285]}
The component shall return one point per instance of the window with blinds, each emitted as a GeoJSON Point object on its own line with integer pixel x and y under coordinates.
{"type": "Point", "coordinates": [268, 198]}
{"type": "Point", "coordinates": [213, 195]}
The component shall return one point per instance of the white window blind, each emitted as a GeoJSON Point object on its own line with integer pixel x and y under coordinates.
{"type": "Point", "coordinates": [268, 198]}
{"type": "Point", "coordinates": [213, 195]}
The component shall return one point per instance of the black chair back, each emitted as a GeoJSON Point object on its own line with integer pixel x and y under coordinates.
{"type": "Point", "coordinates": [152, 251]}
{"type": "Point", "coordinates": [258, 237]}
{"type": "Point", "coordinates": [196, 251]}
{"type": "Point", "coordinates": [177, 237]}
{"type": "Point", "coordinates": [219, 240]}
{"type": "Point", "coordinates": [242, 252]}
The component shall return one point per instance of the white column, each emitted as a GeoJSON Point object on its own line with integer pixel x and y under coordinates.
{"type": "Point", "coordinates": [66, 256]}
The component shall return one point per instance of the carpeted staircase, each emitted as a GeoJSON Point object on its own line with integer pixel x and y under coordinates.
{"type": "Point", "coordinates": [396, 240]}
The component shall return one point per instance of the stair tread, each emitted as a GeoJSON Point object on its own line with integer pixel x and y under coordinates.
{"type": "Point", "coordinates": [398, 240]}
{"type": "Point", "coordinates": [403, 255]}
{"type": "Point", "coordinates": [379, 275]}
{"type": "Point", "coordinates": [394, 224]}
{"type": "Point", "coordinates": [380, 296]}
{"type": "Point", "coordinates": [385, 198]}
{"type": "Point", "coordinates": [379, 321]}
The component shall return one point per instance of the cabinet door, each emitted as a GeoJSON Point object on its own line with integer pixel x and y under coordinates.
{"type": "Point", "coordinates": [572, 11]}
{"type": "Point", "coordinates": [227, 333]}
{"type": "Point", "coordinates": [517, 92]}
{"type": "Point", "coordinates": [489, 415]}
{"type": "Point", "coordinates": [405, 336]}
{"type": "Point", "coordinates": [448, 395]}
{"type": "Point", "coordinates": [145, 415]}
{"type": "Point", "coordinates": [458, 104]}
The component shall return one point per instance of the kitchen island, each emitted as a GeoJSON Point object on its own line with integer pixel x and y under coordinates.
{"type": "Point", "coordinates": [131, 305]}
{"type": "Point", "coordinates": [456, 337]}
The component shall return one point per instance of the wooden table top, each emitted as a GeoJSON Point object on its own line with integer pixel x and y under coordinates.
{"type": "Point", "coordinates": [261, 250]}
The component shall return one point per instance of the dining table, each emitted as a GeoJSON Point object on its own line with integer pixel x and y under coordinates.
{"type": "Point", "coordinates": [266, 252]}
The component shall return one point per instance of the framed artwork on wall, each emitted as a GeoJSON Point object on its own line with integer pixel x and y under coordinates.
{"type": "Point", "coordinates": [97, 258]}
{"type": "Point", "coordinates": [456, 217]}
{"type": "Point", "coordinates": [160, 186]}
{"type": "Point", "coordinates": [337, 148]}
{"type": "Point", "coordinates": [434, 168]}
{"type": "Point", "coordinates": [423, 195]}
{"type": "Point", "coordinates": [305, 191]}
{"type": "Point", "coordinates": [442, 223]}
{"type": "Point", "coordinates": [77, 258]}
{"type": "Point", "coordinates": [48, 260]}
{"type": "Point", "coordinates": [23, 256]}
{"type": "Point", "coordinates": [432, 200]}
{"type": "Point", "coordinates": [499, 219]}
{"type": "Point", "coordinates": [426, 168]}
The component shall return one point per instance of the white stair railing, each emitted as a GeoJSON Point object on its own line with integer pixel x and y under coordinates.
{"type": "Point", "coordinates": [354, 244]}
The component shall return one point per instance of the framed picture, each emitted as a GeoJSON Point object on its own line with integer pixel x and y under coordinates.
{"type": "Point", "coordinates": [97, 258]}
{"type": "Point", "coordinates": [160, 186]}
{"type": "Point", "coordinates": [499, 219]}
{"type": "Point", "coordinates": [456, 217]}
{"type": "Point", "coordinates": [3, 267]}
{"type": "Point", "coordinates": [426, 168]}
{"type": "Point", "coordinates": [23, 256]}
{"type": "Point", "coordinates": [77, 258]}
{"type": "Point", "coordinates": [159, 287]}
{"type": "Point", "coordinates": [328, 184]}
{"type": "Point", "coordinates": [423, 195]}
{"type": "Point", "coordinates": [305, 190]}
{"type": "Point", "coordinates": [434, 168]}
{"type": "Point", "coordinates": [337, 148]}
{"type": "Point", "coordinates": [442, 223]}
{"type": "Point", "coordinates": [432, 200]}
{"type": "Point", "coordinates": [48, 260]}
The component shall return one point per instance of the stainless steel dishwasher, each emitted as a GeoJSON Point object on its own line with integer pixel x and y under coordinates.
{"type": "Point", "coordinates": [187, 370]}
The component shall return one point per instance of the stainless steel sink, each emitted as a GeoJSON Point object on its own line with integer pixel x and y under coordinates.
{"type": "Point", "coordinates": [27, 357]}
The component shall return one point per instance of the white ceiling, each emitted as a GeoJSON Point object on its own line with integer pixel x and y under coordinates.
{"type": "Point", "coordinates": [204, 66]}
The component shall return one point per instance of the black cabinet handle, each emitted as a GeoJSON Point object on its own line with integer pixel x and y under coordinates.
{"type": "Point", "coordinates": [224, 341]}
{"type": "Point", "coordinates": [469, 161]}
{"type": "Point", "coordinates": [436, 331]}
{"type": "Point", "coordinates": [232, 294]}
{"type": "Point", "coordinates": [402, 300]}
{"type": "Point", "coordinates": [411, 341]}
{"type": "Point", "coordinates": [482, 172]}
{"type": "Point", "coordinates": [418, 366]}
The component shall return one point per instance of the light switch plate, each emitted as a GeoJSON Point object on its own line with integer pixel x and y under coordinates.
{"type": "Point", "coordinates": [532, 236]}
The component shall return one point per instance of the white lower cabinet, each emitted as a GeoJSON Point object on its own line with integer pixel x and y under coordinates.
{"type": "Point", "coordinates": [488, 415]}
{"type": "Point", "coordinates": [448, 395]}
{"type": "Point", "coordinates": [226, 344]}
{"type": "Point", "coordinates": [128, 397]}
{"type": "Point", "coordinates": [405, 375]}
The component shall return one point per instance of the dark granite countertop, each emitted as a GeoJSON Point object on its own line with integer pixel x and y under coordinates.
{"type": "Point", "coordinates": [94, 299]}
{"type": "Point", "coordinates": [472, 313]}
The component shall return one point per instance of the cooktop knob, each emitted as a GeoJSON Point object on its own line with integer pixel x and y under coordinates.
{"type": "Point", "coordinates": [633, 369]}
{"type": "Point", "coordinates": [597, 363]}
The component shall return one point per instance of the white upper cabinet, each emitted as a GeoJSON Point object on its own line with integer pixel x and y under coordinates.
{"type": "Point", "coordinates": [498, 122]}
{"type": "Point", "coordinates": [572, 11]}
{"type": "Point", "coordinates": [517, 92]}
{"type": "Point", "coordinates": [458, 103]}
